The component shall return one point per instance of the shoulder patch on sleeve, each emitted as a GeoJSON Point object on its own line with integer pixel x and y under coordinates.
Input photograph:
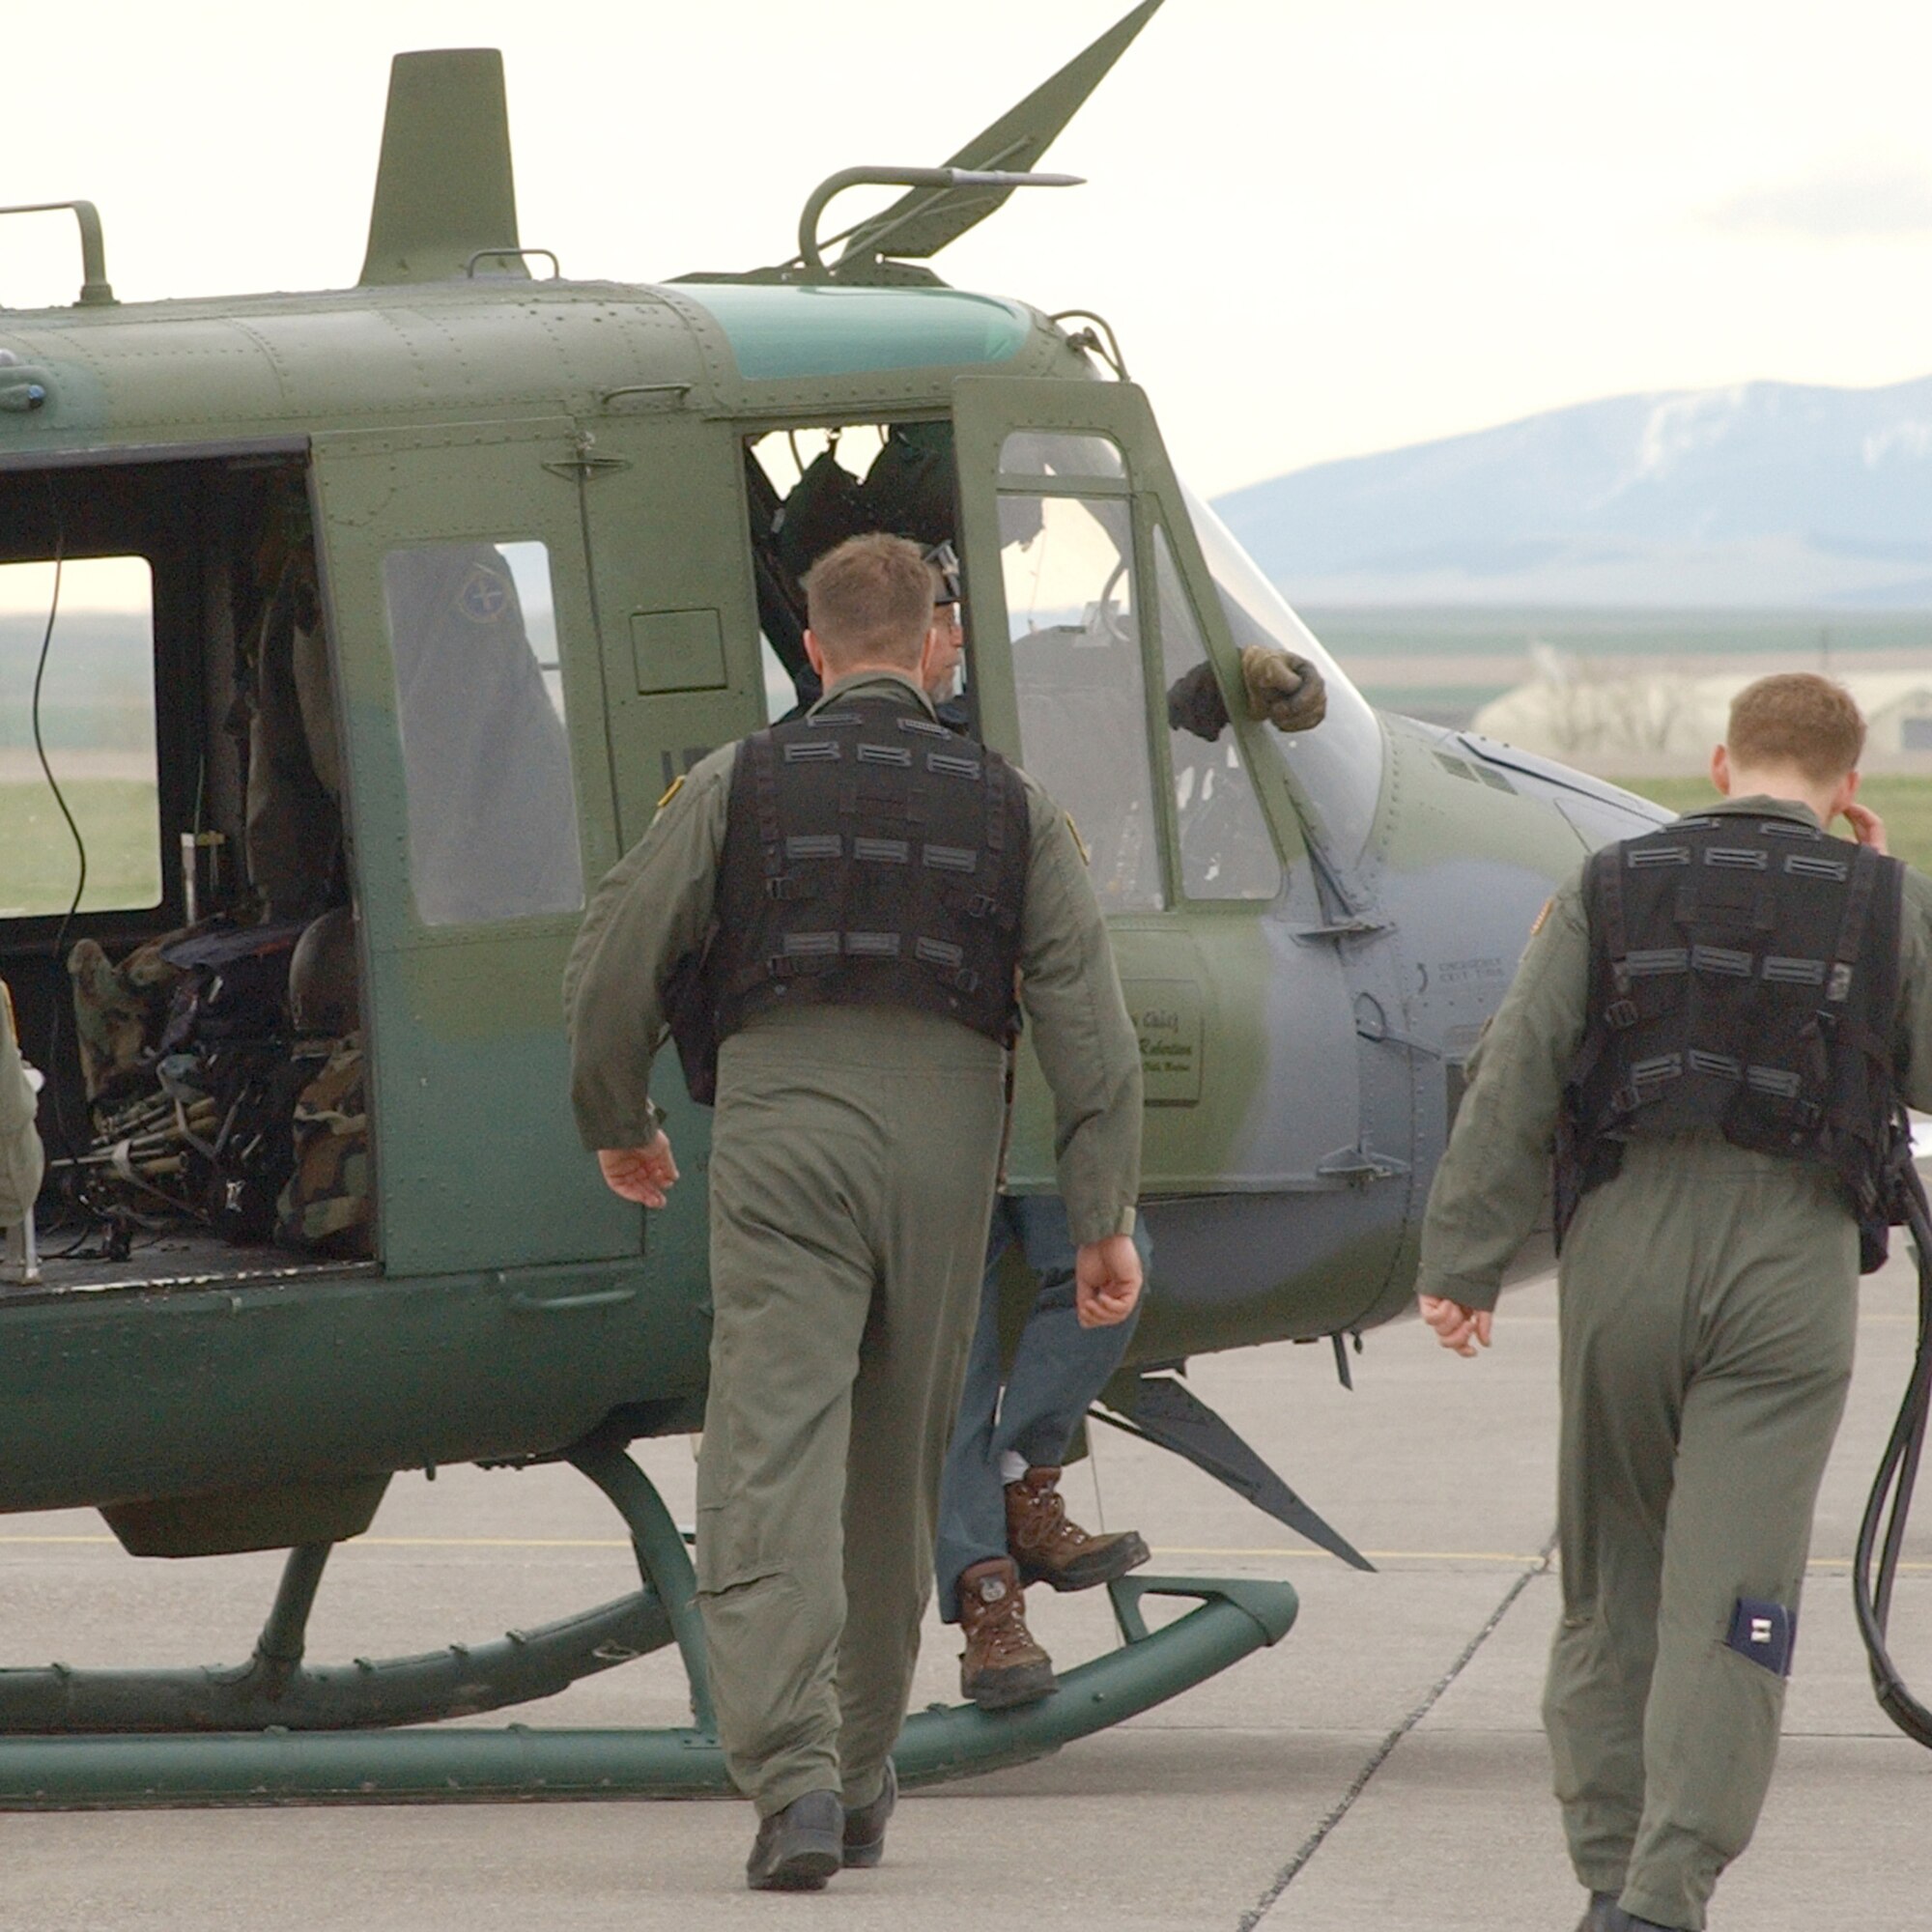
{"type": "Point", "coordinates": [677, 786]}
{"type": "Point", "coordinates": [1542, 918]}
{"type": "Point", "coordinates": [1079, 843]}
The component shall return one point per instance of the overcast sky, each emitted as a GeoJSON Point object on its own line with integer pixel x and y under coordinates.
{"type": "Point", "coordinates": [1320, 229]}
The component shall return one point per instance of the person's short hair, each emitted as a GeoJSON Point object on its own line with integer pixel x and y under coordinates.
{"type": "Point", "coordinates": [1799, 721]}
{"type": "Point", "coordinates": [870, 601]}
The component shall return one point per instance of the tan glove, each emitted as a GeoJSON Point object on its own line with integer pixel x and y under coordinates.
{"type": "Point", "coordinates": [1283, 690]}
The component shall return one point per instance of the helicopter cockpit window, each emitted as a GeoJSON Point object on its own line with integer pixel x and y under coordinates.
{"type": "Point", "coordinates": [1226, 852]}
{"type": "Point", "coordinates": [95, 721]}
{"type": "Point", "coordinates": [1072, 609]}
{"type": "Point", "coordinates": [486, 761]}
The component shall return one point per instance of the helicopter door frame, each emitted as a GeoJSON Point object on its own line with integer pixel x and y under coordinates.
{"type": "Point", "coordinates": [1247, 1035]}
{"type": "Point", "coordinates": [478, 1161]}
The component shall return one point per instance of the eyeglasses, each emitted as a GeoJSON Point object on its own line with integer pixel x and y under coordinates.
{"type": "Point", "coordinates": [944, 560]}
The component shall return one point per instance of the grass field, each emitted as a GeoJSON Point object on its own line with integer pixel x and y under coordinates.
{"type": "Point", "coordinates": [1905, 803]}
{"type": "Point", "coordinates": [38, 866]}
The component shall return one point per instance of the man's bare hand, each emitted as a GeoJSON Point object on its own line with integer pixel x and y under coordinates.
{"type": "Point", "coordinates": [1283, 690]}
{"type": "Point", "coordinates": [1868, 827]}
{"type": "Point", "coordinates": [1456, 1327]}
{"type": "Point", "coordinates": [642, 1174]}
{"type": "Point", "coordinates": [1106, 1281]}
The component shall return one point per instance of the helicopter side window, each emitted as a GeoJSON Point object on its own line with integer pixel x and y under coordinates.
{"type": "Point", "coordinates": [1072, 609]}
{"type": "Point", "coordinates": [486, 761]}
{"type": "Point", "coordinates": [1226, 852]}
{"type": "Point", "coordinates": [94, 714]}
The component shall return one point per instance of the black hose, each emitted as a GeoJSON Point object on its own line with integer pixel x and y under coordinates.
{"type": "Point", "coordinates": [75, 1195]}
{"type": "Point", "coordinates": [54, 1051]}
{"type": "Point", "coordinates": [1882, 1533]}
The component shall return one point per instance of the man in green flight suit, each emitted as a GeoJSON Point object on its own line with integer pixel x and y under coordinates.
{"type": "Point", "coordinates": [837, 909]}
{"type": "Point", "coordinates": [1711, 1031]}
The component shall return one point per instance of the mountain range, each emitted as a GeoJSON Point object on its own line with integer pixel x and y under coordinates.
{"type": "Point", "coordinates": [1763, 496]}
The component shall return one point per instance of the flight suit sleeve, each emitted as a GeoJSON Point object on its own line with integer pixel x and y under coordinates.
{"type": "Point", "coordinates": [1493, 1185]}
{"type": "Point", "coordinates": [653, 909]}
{"type": "Point", "coordinates": [1914, 990]}
{"type": "Point", "coordinates": [22, 1159]}
{"type": "Point", "coordinates": [1081, 1033]}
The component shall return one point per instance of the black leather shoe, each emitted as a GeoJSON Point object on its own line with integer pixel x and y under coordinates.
{"type": "Point", "coordinates": [1606, 1914]}
{"type": "Point", "coordinates": [866, 1823]}
{"type": "Point", "coordinates": [798, 1849]}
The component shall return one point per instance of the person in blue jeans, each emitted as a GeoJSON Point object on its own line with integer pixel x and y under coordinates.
{"type": "Point", "coordinates": [1002, 1522]}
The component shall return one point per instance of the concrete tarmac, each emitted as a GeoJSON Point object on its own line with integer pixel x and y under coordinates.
{"type": "Point", "coordinates": [1381, 1770]}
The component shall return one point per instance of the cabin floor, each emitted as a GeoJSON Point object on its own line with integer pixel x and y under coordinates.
{"type": "Point", "coordinates": [1195, 1817]}
{"type": "Point", "coordinates": [174, 1259]}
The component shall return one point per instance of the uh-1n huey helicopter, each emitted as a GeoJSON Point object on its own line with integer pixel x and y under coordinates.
{"type": "Point", "coordinates": [548, 534]}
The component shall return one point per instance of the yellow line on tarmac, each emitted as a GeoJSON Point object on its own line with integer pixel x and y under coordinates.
{"type": "Point", "coordinates": [1513, 1559]}
{"type": "Point", "coordinates": [1509, 1556]}
{"type": "Point", "coordinates": [413, 1542]}
{"type": "Point", "coordinates": [1517, 1560]}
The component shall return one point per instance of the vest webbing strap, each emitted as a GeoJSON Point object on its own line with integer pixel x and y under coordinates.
{"type": "Point", "coordinates": [1852, 929]}
{"type": "Point", "coordinates": [1610, 888]}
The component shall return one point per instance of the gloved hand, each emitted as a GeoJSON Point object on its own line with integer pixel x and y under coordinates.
{"type": "Point", "coordinates": [1194, 703]}
{"type": "Point", "coordinates": [1283, 690]}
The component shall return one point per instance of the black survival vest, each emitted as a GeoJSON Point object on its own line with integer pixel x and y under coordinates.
{"type": "Point", "coordinates": [871, 858]}
{"type": "Point", "coordinates": [1743, 976]}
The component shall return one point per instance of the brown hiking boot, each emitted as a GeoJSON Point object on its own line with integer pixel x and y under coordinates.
{"type": "Point", "coordinates": [1001, 1665]}
{"type": "Point", "coordinates": [1052, 1549]}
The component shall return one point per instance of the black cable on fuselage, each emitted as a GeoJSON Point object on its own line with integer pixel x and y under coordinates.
{"type": "Point", "coordinates": [53, 1068]}
{"type": "Point", "coordinates": [1881, 1540]}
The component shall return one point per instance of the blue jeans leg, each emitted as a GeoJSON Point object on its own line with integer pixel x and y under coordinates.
{"type": "Point", "coordinates": [1058, 1370]}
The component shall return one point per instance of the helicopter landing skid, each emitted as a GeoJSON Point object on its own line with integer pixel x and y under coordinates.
{"type": "Point", "coordinates": [275, 1731]}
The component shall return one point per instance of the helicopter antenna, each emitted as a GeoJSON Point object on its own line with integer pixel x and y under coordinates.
{"type": "Point", "coordinates": [939, 211]}
{"type": "Point", "coordinates": [952, 180]}
{"type": "Point", "coordinates": [445, 193]}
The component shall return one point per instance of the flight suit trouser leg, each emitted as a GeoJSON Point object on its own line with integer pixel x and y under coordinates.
{"type": "Point", "coordinates": [1708, 1311]}
{"type": "Point", "coordinates": [1058, 1369]}
{"type": "Point", "coordinates": [851, 1178]}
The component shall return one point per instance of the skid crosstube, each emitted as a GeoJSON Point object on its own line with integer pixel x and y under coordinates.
{"type": "Point", "coordinates": [125, 1757]}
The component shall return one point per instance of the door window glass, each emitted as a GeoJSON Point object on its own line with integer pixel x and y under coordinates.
{"type": "Point", "coordinates": [1226, 852]}
{"type": "Point", "coordinates": [480, 709]}
{"type": "Point", "coordinates": [1338, 765]}
{"type": "Point", "coordinates": [96, 724]}
{"type": "Point", "coordinates": [1072, 609]}
{"type": "Point", "coordinates": [1063, 455]}
{"type": "Point", "coordinates": [781, 693]}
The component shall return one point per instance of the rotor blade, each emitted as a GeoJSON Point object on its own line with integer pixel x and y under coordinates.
{"type": "Point", "coordinates": [919, 224]}
{"type": "Point", "coordinates": [1169, 1413]}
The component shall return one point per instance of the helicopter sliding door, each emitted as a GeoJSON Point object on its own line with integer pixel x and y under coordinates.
{"type": "Point", "coordinates": [480, 806]}
{"type": "Point", "coordinates": [664, 514]}
{"type": "Point", "coordinates": [1102, 659]}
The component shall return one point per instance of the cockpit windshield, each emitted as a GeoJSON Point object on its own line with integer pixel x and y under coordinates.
{"type": "Point", "coordinates": [1338, 766]}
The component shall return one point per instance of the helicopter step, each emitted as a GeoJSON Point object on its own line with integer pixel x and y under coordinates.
{"type": "Point", "coordinates": [1162, 1409]}
{"type": "Point", "coordinates": [278, 1731]}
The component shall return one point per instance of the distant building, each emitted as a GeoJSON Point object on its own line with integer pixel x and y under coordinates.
{"type": "Point", "coordinates": [1659, 721]}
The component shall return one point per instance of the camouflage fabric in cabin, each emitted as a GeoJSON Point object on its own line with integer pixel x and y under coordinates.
{"type": "Point", "coordinates": [325, 1203]}
{"type": "Point", "coordinates": [117, 1011]}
